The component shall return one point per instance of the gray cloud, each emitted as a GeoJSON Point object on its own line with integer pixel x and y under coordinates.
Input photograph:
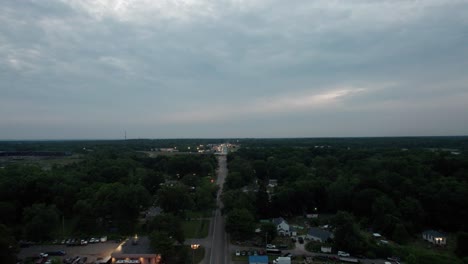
{"type": "Point", "coordinates": [203, 68]}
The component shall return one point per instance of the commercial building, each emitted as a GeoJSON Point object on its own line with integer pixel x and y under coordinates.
{"type": "Point", "coordinates": [136, 250]}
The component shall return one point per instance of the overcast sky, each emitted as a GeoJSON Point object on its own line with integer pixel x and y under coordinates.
{"type": "Point", "coordinates": [81, 69]}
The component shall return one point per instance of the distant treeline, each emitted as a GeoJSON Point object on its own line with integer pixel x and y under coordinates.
{"type": "Point", "coordinates": [34, 153]}
{"type": "Point", "coordinates": [455, 142]}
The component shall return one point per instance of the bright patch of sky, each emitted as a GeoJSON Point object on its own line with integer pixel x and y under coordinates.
{"type": "Point", "coordinates": [232, 68]}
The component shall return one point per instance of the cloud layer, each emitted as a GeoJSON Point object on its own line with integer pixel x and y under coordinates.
{"type": "Point", "coordinates": [233, 68]}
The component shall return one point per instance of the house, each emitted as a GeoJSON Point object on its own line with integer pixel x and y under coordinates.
{"type": "Point", "coordinates": [435, 237]}
{"type": "Point", "coordinates": [258, 259]}
{"type": "Point", "coordinates": [318, 234]}
{"type": "Point", "coordinates": [136, 251]}
{"type": "Point", "coordinates": [272, 183]}
{"type": "Point", "coordinates": [282, 227]}
{"type": "Point", "coordinates": [292, 231]}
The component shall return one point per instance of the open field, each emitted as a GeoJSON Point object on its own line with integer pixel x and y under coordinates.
{"type": "Point", "coordinates": [43, 162]}
{"type": "Point", "coordinates": [196, 228]}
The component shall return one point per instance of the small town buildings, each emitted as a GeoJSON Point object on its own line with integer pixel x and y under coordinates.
{"type": "Point", "coordinates": [319, 235]}
{"type": "Point", "coordinates": [258, 259]}
{"type": "Point", "coordinates": [282, 227]}
{"type": "Point", "coordinates": [136, 250]}
{"type": "Point", "coordinates": [435, 237]}
{"type": "Point", "coordinates": [272, 183]}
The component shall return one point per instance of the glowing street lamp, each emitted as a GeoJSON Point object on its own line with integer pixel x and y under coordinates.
{"type": "Point", "coordinates": [194, 247]}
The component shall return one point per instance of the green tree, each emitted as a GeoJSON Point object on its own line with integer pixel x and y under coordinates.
{"type": "Point", "coordinates": [168, 224]}
{"type": "Point", "coordinates": [162, 243]}
{"type": "Point", "coordinates": [347, 234]}
{"type": "Point", "coordinates": [400, 234]}
{"type": "Point", "coordinates": [462, 245]}
{"type": "Point", "coordinates": [263, 202]}
{"type": "Point", "coordinates": [269, 232]}
{"type": "Point", "coordinates": [174, 199]}
{"type": "Point", "coordinates": [240, 224]}
{"type": "Point", "coordinates": [8, 246]}
{"type": "Point", "coordinates": [40, 220]}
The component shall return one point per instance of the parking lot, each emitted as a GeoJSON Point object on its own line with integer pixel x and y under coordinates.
{"type": "Point", "coordinates": [91, 251]}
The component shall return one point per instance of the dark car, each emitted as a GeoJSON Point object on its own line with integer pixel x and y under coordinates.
{"type": "Point", "coordinates": [301, 240]}
{"type": "Point", "coordinates": [56, 253]}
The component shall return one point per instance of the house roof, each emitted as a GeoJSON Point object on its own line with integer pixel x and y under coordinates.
{"type": "Point", "coordinates": [434, 233]}
{"type": "Point", "coordinates": [141, 247]}
{"type": "Point", "coordinates": [258, 259]}
{"type": "Point", "coordinates": [320, 233]}
{"type": "Point", "coordinates": [278, 221]}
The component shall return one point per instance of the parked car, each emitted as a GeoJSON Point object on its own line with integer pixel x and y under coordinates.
{"type": "Point", "coordinates": [343, 254]}
{"type": "Point", "coordinates": [56, 253]}
{"type": "Point", "coordinates": [301, 240]}
{"type": "Point", "coordinates": [237, 253]}
{"type": "Point", "coordinates": [270, 246]}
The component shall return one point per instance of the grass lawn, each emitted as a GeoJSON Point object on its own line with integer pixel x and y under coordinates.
{"type": "Point", "coordinates": [196, 228]}
{"type": "Point", "coordinates": [198, 214]}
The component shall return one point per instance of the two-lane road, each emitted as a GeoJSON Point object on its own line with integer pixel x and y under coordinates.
{"type": "Point", "coordinates": [219, 252]}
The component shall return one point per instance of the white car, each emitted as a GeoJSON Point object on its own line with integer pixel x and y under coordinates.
{"type": "Point", "coordinates": [343, 254]}
{"type": "Point", "coordinates": [237, 253]}
{"type": "Point", "coordinates": [270, 246]}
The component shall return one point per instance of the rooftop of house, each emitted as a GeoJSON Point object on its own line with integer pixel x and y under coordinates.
{"type": "Point", "coordinates": [141, 245]}
{"type": "Point", "coordinates": [434, 233]}
{"type": "Point", "coordinates": [258, 259]}
{"type": "Point", "coordinates": [278, 220]}
{"type": "Point", "coordinates": [320, 233]}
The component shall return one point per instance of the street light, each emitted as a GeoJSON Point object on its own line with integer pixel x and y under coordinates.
{"type": "Point", "coordinates": [194, 247]}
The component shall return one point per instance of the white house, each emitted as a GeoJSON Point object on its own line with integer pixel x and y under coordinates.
{"type": "Point", "coordinates": [435, 237]}
{"type": "Point", "coordinates": [282, 227]}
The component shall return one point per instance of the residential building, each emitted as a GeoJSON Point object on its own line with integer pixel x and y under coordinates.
{"type": "Point", "coordinates": [318, 234]}
{"type": "Point", "coordinates": [136, 250]}
{"type": "Point", "coordinates": [282, 227]}
{"type": "Point", "coordinates": [435, 237]}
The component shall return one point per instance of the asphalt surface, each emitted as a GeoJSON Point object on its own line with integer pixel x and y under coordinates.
{"type": "Point", "coordinates": [219, 252]}
{"type": "Point", "coordinates": [91, 251]}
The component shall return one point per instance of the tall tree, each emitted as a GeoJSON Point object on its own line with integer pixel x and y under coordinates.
{"type": "Point", "coordinates": [8, 246]}
{"type": "Point", "coordinates": [40, 220]}
{"type": "Point", "coordinates": [240, 224]}
{"type": "Point", "coordinates": [347, 234]}
{"type": "Point", "coordinates": [174, 199]}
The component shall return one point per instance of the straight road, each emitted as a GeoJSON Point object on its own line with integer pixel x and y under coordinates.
{"type": "Point", "coordinates": [219, 253]}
